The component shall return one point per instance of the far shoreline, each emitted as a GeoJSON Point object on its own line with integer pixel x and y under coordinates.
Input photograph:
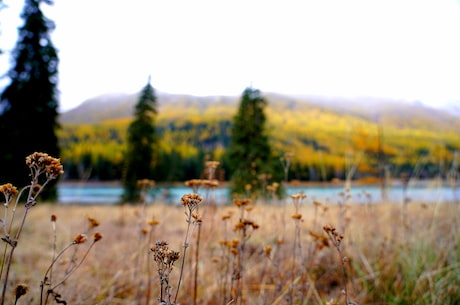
{"type": "Point", "coordinates": [293, 183]}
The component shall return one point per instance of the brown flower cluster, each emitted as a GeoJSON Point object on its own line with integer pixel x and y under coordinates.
{"type": "Point", "coordinates": [272, 188]}
{"type": "Point", "coordinates": [39, 162]}
{"type": "Point", "coordinates": [195, 184]}
{"type": "Point", "coordinates": [320, 240]}
{"type": "Point", "coordinates": [162, 255]}
{"type": "Point", "coordinates": [191, 201]}
{"type": "Point", "coordinates": [243, 224]}
{"type": "Point", "coordinates": [232, 245]}
{"type": "Point", "coordinates": [8, 190]}
{"type": "Point", "coordinates": [242, 202]}
{"type": "Point", "coordinates": [212, 164]}
{"type": "Point", "coordinates": [334, 236]}
{"type": "Point", "coordinates": [297, 198]}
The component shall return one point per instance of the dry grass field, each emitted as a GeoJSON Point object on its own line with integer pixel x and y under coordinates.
{"type": "Point", "coordinates": [254, 253]}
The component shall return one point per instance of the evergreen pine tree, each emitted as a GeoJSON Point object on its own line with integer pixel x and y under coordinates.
{"type": "Point", "coordinates": [28, 105]}
{"type": "Point", "coordinates": [249, 155]}
{"type": "Point", "coordinates": [142, 144]}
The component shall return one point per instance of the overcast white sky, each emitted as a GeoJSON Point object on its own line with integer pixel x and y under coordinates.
{"type": "Point", "coordinates": [405, 49]}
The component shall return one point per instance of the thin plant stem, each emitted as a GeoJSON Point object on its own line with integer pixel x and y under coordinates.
{"type": "Point", "coordinates": [183, 256]}
{"type": "Point", "coordinates": [45, 277]}
{"type": "Point", "coordinates": [197, 255]}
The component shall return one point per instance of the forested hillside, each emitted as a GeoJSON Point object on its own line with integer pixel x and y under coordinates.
{"type": "Point", "coordinates": [327, 137]}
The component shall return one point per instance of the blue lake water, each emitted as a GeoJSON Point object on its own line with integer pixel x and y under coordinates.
{"type": "Point", "coordinates": [76, 193]}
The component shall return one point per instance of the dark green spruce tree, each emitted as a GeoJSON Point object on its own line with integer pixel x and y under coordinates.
{"type": "Point", "coordinates": [249, 155]}
{"type": "Point", "coordinates": [142, 144]}
{"type": "Point", "coordinates": [28, 105]}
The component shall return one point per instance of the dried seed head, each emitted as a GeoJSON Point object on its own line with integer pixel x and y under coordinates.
{"type": "Point", "coordinates": [226, 217]}
{"type": "Point", "coordinates": [197, 218]}
{"type": "Point", "coordinates": [8, 190]}
{"type": "Point", "coordinates": [211, 183]}
{"type": "Point", "coordinates": [79, 239]}
{"type": "Point", "coordinates": [40, 161]}
{"type": "Point", "coordinates": [212, 164]}
{"type": "Point", "coordinates": [153, 222]}
{"type": "Point", "coordinates": [334, 236]}
{"type": "Point", "coordinates": [194, 183]}
{"type": "Point", "coordinates": [36, 188]}
{"type": "Point", "coordinates": [54, 169]}
{"type": "Point", "coordinates": [273, 187]}
{"type": "Point", "coordinates": [296, 216]}
{"type": "Point", "coordinates": [245, 223]}
{"type": "Point", "coordinates": [191, 200]}
{"type": "Point", "coordinates": [242, 202]}
{"type": "Point", "coordinates": [97, 236]}
{"type": "Point", "coordinates": [267, 250]}
{"type": "Point", "coordinates": [20, 290]}
{"type": "Point", "coordinates": [53, 218]}
{"type": "Point", "coordinates": [92, 222]}
{"type": "Point", "coordinates": [162, 255]}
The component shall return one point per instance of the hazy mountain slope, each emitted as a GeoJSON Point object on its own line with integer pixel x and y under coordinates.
{"type": "Point", "coordinates": [397, 114]}
{"type": "Point", "coordinates": [108, 107]}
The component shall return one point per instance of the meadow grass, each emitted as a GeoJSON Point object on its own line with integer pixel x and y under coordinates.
{"type": "Point", "coordinates": [287, 259]}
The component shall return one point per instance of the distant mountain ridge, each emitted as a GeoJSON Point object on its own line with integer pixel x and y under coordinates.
{"type": "Point", "coordinates": [384, 111]}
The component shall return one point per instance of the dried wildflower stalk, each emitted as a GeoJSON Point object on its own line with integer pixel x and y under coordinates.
{"type": "Point", "coordinates": [336, 240]}
{"type": "Point", "coordinates": [190, 203]}
{"type": "Point", "coordinates": [47, 278]}
{"type": "Point", "coordinates": [144, 240]}
{"type": "Point", "coordinates": [223, 262]}
{"type": "Point", "coordinates": [164, 259]}
{"type": "Point", "coordinates": [243, 229]}
{"type": "Point", "coordinates": [297, 248]}
{"type": "Point", "coordinates": [210, 184]}
{"type": "Point", "coordinates": [39, 164]}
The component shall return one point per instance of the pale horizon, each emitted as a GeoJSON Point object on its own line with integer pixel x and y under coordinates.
{"type": "Point", "coordinates": [402, 50]}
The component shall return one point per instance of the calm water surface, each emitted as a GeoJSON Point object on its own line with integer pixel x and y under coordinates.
{"type": "Point", "coordinates": [110, 194]}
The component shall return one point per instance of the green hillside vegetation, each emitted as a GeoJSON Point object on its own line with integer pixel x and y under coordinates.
{"type": "Point", "coordinates": [326, 139]}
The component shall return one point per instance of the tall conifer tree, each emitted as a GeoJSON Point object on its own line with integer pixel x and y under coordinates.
{"type": "Point", "coordinates": [142, 144]}
{"type": "Point", "coordinates": [250, 155]}
{"type": "Point", "coordinates": [28, 105]}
